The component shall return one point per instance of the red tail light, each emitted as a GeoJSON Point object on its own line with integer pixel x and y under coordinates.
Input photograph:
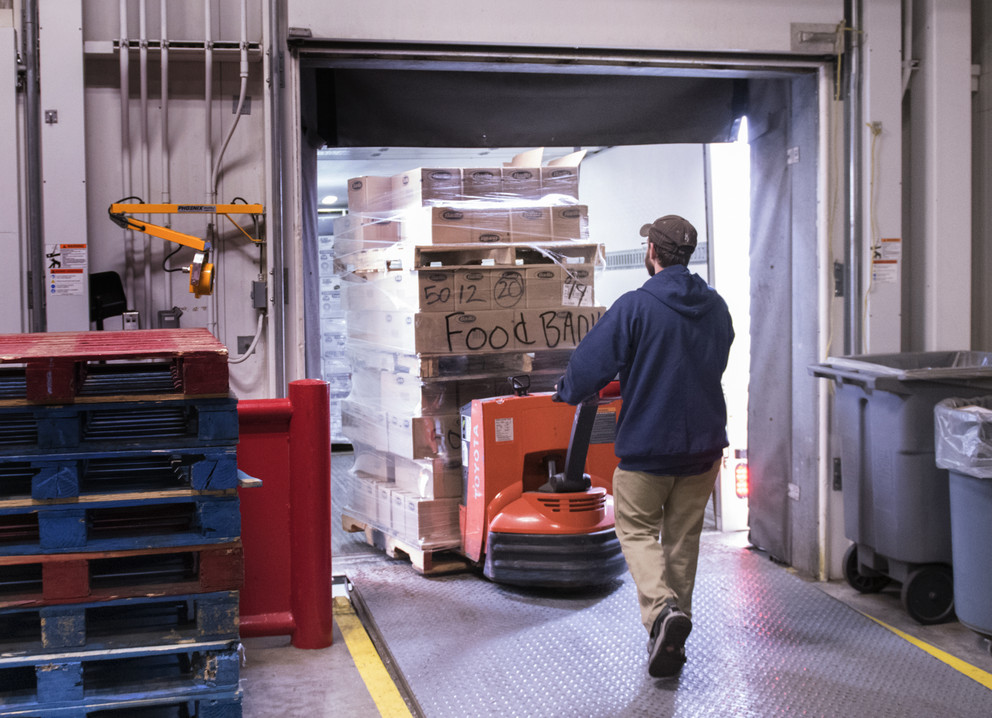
{"type": "Point", "coordinates": [742, 482]}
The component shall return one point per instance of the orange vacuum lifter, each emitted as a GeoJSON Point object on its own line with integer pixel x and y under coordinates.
{"type": "Point", "coordinates": [201, 272]}
{"type": "Point", "coordinates": [531, 515]}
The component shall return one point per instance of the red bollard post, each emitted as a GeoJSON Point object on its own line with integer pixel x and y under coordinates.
{"type": "Point", "coordinates": [310, 512]}
{"type": "Point", "coordinates": [263, 453]}
{"type": "Point", "coordinates": [286, 522]}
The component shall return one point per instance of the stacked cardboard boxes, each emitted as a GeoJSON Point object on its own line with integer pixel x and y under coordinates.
{"type": "Point", "coordinates": [334, 367]}
{"type": "Point", "coordinates": [453, 280]}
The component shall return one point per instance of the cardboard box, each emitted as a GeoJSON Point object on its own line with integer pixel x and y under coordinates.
{"type": "Point", "coordinates": [398, 513]}
{"type": "Point", "coordinates": [365, 498]}
{"type": "Point", "coordinates": [364, 425]}
{"type": "Point", "coordinates": [405, 393]}
{"type": "Point", "coordinates": [436, 290]}
{"type": "Point", "coordinates": [436, 225]}
{"type": "Point", "coordinates": [473, 289]}
{"type": "Point", "coordinates": [426, 186]}
{"type": "Point", "coordinates": [536, 329]}
{"type": "Point", "coordinates": [560, 182]}
{"type": "Point", "coordinates": [369, 194]}
{"type": "Point", "coordinates": [530, 225]}
{"type": "Point", "coordinates": [488, 225]}
{"type": "Point", "coordinates": [371, 465]}
{"type": "Point", "coordinates": [428, 478]}
{"type": "Point", "coordinates": [570, 223]}
{"type": "Point", "coordinates": [384, 504]}
{"type": "Point", "coordinates": [425, 437]}
{"type": "Point", "coordinates": [365, 230]}
{"type": "Point", "coordinates": [509, 288]}
{"type": "Point", "coordinates": [432, 522]}
{"type": "Point", "coordinates": [429, 290]}
{"type": "Point", "coordinates": [366, 384]}
{"type": "Point", "coordinates": [522, 182]}
{"type": "Point", "coordinates": [578, 285]}
{"type": "Point", "coordinates": [482, 183]}
{"type": "Point", "coordinates": [467, 333]}
{"type": "Point", "coordinates": [543, 282]}
{"type": "Point", "coordinates": [463, 332]}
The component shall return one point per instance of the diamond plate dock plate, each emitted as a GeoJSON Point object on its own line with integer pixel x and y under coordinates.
{"type": "Point", "coordinates": [764, 643]}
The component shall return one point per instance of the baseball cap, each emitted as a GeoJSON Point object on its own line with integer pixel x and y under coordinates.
{"type": "Point", "coordinates": [674, 236]}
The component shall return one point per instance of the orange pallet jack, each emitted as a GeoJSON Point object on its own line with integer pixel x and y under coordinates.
{"type": "Point", "coordinates": [524, 520]}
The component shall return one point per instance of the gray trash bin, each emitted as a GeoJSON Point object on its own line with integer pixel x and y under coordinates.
{"type": "Point", "coordinates": [896, 502]}
{"type": "Point", "coordinates": [963, 433]}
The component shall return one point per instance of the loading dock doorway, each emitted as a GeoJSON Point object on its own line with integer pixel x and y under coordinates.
{"type": "Point", "coordinates": [356, 99]}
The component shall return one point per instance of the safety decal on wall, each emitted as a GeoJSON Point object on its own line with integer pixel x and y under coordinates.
{"type": "Point", "coordinates": [66, 268]}
{"type": "Point", "coordinates": [885, 258]}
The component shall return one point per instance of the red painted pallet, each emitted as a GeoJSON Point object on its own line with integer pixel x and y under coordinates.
{"type": "Point", "coordinates": [49, 579]}
{"type": "Point", "coordinates": [56, 364]}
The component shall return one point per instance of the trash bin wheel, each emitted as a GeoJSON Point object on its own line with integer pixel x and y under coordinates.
{"type": "Point", "coordinates": [860, 582]}
{"type": "Point", "coordinates": [928, 594]}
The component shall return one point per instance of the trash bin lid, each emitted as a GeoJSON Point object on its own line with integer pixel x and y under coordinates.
{"type": "Point", "coordinates": [908, 366]}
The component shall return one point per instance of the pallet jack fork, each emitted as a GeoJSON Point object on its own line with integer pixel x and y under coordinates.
{"type": "Point", "coordinates": [525, 521]}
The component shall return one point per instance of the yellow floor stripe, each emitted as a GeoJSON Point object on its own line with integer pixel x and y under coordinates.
{"type": "Point", "coordinates": [377, 679]}
{"type": "Point", "coordinates": [976, 674]}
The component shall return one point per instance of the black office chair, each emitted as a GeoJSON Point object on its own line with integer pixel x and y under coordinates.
{"type": "Point", "coordinates": [106, 297]}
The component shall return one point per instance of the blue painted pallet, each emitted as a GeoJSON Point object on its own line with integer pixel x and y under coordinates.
{"type": "Point", "coordinates": [221, 705]}
{"type": "Point", "coordinates": [71, 475]}
{"type": "Point", "coordinates": [91, 678]}
{"type": "Point", "coordinates": [138, 521]}
{"type": "Point", "coordinates": [125, 623]}
{"type": "Point", "coordinates": [114, 426]}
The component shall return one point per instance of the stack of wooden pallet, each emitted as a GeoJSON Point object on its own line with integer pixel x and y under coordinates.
{"type": "Point", "coordinates": [120, 551]}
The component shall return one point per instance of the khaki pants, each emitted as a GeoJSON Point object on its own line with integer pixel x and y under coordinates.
{"type": "Point", "coordinates": [647, 505]}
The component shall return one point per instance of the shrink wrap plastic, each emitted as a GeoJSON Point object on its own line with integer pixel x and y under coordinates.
{"type": "Point", "coordinates": [451, 281]}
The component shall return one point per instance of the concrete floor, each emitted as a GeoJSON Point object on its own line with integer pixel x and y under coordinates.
{"type": "Point", "coordinates": [279, 680]}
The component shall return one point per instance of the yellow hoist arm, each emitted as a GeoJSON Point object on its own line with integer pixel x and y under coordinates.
{"type": "Point", "coordinates": [118, 210]}
{"type": "Point", "coordinates": [200, 271]}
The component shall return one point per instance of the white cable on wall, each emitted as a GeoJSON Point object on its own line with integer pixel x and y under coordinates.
{"type": "Point", "coordinates": [254, 341]}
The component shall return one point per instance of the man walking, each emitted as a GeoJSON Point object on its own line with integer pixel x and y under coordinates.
{"type": "Point", "coordinates": [668, 341]}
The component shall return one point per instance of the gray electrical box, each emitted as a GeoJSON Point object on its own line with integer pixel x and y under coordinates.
{"type": "Point", "coordinates": [259, 298]}
{"type": "Point", "coordinates": [169, 318]}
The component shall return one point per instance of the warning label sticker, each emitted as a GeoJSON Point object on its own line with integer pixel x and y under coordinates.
{"type": "Point", "coordinates": [885, 260]}
{"type": "Point", "coordinates": [66, 268]}
{"type": "Point", "coordinates": [504, 429]}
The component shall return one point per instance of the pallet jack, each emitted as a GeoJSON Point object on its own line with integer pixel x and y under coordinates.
{"type": "Point", "coordinates": [524, 520]}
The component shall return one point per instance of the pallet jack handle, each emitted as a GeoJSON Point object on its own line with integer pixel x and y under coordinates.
{"type": "Point", "coordinates": [574, 478]}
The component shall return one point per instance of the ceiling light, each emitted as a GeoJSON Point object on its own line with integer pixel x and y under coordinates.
{"type": "Point", "coordinates": [329, 199]}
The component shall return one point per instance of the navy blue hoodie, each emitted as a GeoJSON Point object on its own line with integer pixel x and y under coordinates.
{"type": "Point", "coordinates": [668, 341]}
